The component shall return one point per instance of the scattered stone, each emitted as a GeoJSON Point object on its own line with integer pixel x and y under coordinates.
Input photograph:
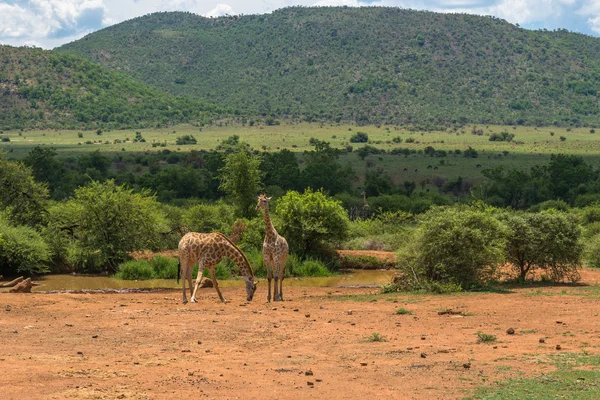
{"type": "Point", "coordinates": [495, 347]}
{"type": "Point", "coordinates": [423, 337]}
{"type": "Point", "coordinates": [275, 326]}
{"type": "Point", "coordinates": [69, 325]}
{"type": "Point", "coordinates": [295, 310]}
{"type": "Point", "coordinates": [363, 364]}
{"type": "Point", "coordinates": [274, 308]}
{"type": "Point", "coordinates": [186, 351]}
{"type": "Point", "coordinates": [558, 347]}
{"type": "Point", "coordinates": [199, 342]}
{"type": "Point", "coordinates": [190, 373]}
{"type": "Point", "coordinates": [80, 353]}
{"type": "Point", "coordinates": [352, 324]}
{"type": "Point", "coordinates": [542, 340]}
{"type": "Point", "coordinates": [307, 315]}
{"type": "Point", "coordinates": [95, 337]}
{"type": "Point", "coordinates": [288, 356]}
{"type": "Point", "coordinates": [207, 351]}
{"type": "Point", "coordinates": [309, 383]}
{"type": "Point", "coordinates": [215, 320]}
{"type": "Point", "coordinates": [7, 308]}
{"type": "Point", "coordinates": [559, 322]}
{"type": "Point", "coordinates": [467, 365]}
{"type": "Point", "coordinates": [319, 380]}
{"type": "Point", "coordinates": [321, 308]}
{"type": "Point", "coordinates": [309, 372]}
{"type": "Point", "coordinates": [510, 331]}
{"type": "Point", "coordinates": [423, 355]}
{"type": "Point", "coordinates": [330, 321]}
{"type": "Point", "coordinates": [349, 312]}
{"type": "Point", "coordinates": [122, 305]}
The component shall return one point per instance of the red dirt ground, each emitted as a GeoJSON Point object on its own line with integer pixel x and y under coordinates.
{"type": "Point", "coordinates": [150, 346]}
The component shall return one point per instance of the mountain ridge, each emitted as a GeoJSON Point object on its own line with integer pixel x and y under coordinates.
{"type": "Point", "coordinates": [367, 65]}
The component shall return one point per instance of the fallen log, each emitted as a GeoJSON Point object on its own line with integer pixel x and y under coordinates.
{"type": "Point", "coordinates": [22, 287]}
{"type": "Point", "coordinates": [12, 283]}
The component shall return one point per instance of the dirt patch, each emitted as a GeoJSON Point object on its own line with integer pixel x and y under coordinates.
{"type": "Point", "coordinates": [150, 346]}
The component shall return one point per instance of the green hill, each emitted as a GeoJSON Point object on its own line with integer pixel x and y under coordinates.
{"type": "Point", "coordinates": [46, 89]}
{"type": "Point", "coordinates": [369, 65]}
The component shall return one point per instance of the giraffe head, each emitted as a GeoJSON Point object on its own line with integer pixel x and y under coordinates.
{"type": "Point", "coordinates": [250, 289]}
{"type": "Point", "coordinates": [263, 202]}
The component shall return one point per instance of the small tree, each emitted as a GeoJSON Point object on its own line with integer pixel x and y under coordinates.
{"type": "Point", "coordinates": [454, 246]}
{"type": "Point", "coordinates": [21, 197]}
{"type": "Point", "coordinates": [546, 241]}
{"type": "Point", "coordinates": [241, 180]}
{"type": "Point", "coordinates": [114, 220]}
{"type": "Point", "coordinates": [311, 219]}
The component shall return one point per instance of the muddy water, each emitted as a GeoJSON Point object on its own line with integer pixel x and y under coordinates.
{"type": "Point", "coordinates": [80, 282]}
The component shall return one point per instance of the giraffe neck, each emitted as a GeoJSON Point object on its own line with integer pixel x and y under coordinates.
{"type": "Point", "coordinates": [235, 254]}
{"type": "Point", "coordinates": [270, 232]}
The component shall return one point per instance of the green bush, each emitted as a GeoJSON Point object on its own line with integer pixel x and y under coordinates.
{"type": "Point", "coordinates": [164, 267]}
{"type": "Point", "coordinates": [454, 246]}
{"type": "Point", "coordinates": [546, 241]}
{"type": "Point", "coordinates": [592, 252]}
{"type": "Point", "coordinates": [135, 270]}
{"type": "Point", "coordinates": [310, 267]}
{"type": "Point", "coordinates": [559, 205]}
{"type": "Point", "coordinates": [205, 217]}
{"type": "Point", "coordinates": [22, 250]}
{"type": "Point", "coordinates": [311, 221]}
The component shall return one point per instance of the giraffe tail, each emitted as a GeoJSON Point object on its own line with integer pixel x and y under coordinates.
{"type": "Point", "coordinates": [178, 271]}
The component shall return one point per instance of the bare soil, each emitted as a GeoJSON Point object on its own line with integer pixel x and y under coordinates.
{"type": "Point", "coordinates": [150, 346]}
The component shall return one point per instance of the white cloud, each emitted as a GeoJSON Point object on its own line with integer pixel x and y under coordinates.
{"type": "Point", "coordinates": [219, 10]}
{"type": "Point", "coordinates": [24, 22]}
{"type": "Point", "coordinates": [54, 22]}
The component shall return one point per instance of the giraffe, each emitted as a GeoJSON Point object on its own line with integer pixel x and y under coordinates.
{"type": "Point", "coordinates": [275, 252]}
{"type": "Point", "coordinates": [365, 203]}
{"type": "Point", "coordinates": [208, 249]}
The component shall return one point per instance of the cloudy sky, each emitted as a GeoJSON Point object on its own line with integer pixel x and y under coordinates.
{"type": "Point", "coordinates": [50, 23]}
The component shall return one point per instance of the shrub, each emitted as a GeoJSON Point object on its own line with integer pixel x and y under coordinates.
{"type": "Point", "coordinates": [403, 311]}
{"type": "Point", "coordinates": [485, 338]}
{"type": "Point", "coordinates": [502, 137]}
{"type": "Point", "coordinates": [359, 137]}
{"type": "Point", "coordinates": [311, 220]}
{"type": "Point", "coordinates": [22, 250]}
{"type": "Point", "coordinates": [559, 205]}
{"type": "Point", "coordinates": [6, 139]}
{"type": "Point", "coordinates": [164, 267]}
{"type": "Point", "coordinates": [310, 267]}
{"type": "Point", "coordinates": [546, 241]}
{"type": "Point", "coordinates": [135, 270]}
{"type": "Point", "coordinates": [207, 217]}
{"type": "Point", "coordinates": [185, 140]}
{"type": "Point", "coordinates": [454, 246]}
{"type": "Point", "coordinates": [592, 252]}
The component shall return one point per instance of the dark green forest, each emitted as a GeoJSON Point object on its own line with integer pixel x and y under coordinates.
{"type": "Point", "coordinates": [367, 65]}
{"type": "Point", "coordinates": [45, 89]}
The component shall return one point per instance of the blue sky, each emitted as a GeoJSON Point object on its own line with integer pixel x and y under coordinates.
{"type": "Point", "coordinates": [51, 23]}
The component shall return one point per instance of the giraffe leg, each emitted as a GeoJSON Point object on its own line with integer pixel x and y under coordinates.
{"type": "Point", "coordinates": [183, 277]}
{"type": "Point", "coordinates": [276, 276]}
{"type": "Point", "coordinates": [269, 278]}
{"type": "Point", "coordinates": [215, 283]}
{"type": "Point", "coordinates": [282, 261]}
{"type": "Point", "coordinates": [198, 279]}
{"type": "Point", "coordinates": [190, 278]}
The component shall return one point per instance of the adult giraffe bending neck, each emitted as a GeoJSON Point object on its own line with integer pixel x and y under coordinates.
{"type": "Point", "coordinates": [208, 249]}
{"type": "Point", "coordinates": [275, 252]}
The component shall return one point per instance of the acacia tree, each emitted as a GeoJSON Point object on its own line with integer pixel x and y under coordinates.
{"type": "Point", "coordinates": [241, 180]}
{"type": "Point", "coordinates": [546, 241]}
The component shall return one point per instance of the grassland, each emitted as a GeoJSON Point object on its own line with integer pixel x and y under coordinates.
{"type": "Point", "coordinates": [531, 145]}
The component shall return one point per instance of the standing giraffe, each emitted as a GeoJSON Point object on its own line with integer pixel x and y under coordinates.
{"type": "Point", "coordinates": [365, 203]}
{"type": "Point", "coordinates": [275, 252]}
{"type": "Point", "coordinates": [208, 249]}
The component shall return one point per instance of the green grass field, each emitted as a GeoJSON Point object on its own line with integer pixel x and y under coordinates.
{"type": "Point", "coordinates": [531, 145]}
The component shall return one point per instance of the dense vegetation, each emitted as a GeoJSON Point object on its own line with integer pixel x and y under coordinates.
{"type": "Point", "coordinates": [377, 65]}
{"type": "Point", "coordinates": [50, 89]}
